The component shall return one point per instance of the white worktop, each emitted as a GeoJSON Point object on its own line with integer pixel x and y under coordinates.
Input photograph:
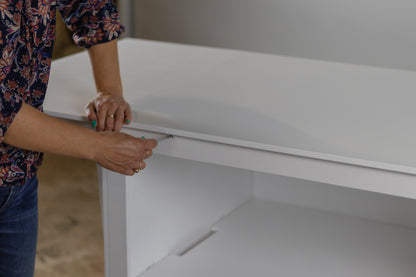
{"type": "Point", "coordinates": [339, 112]}
{"type": "Point", "coordinates": [259, 142]}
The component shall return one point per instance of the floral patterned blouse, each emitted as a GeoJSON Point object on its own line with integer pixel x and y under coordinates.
{"type": "Point", "coordinates": [27, 33]}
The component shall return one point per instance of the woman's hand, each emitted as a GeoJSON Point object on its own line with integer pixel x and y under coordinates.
{"type": "Point", "coordinates": [108, 112]}
{"type": "Point", "coordinates": [119, 152]}
{"type": "Point", "coordinates": [123, 153]}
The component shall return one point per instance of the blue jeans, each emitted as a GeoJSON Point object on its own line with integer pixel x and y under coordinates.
{"type": "Point", "coordinates": [18, 229]}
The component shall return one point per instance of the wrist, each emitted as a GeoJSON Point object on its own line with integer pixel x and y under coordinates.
{"type": "Point", "coordinates": [95, 146]}
{"type": "Point", "coordinates": [113, 91]}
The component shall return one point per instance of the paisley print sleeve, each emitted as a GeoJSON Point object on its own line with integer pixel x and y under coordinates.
{"type": "Point", "coordinates": [10, 102]}
{"type": "Point", "coordinates": [91, 21]}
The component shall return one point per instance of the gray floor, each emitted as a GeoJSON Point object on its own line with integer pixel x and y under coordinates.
{"type": "Point", "coordinates": [70, 231]}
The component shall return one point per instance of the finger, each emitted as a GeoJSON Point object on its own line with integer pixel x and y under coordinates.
{"type": "Point", "coordinates": [131, 168]}
{"type": "Point", "coordinates": [142, 165]}
{"type": "Point", "coordinates": [122, 170]}
{"type": "Point", "coordinates": [91, 113]}
{"type": "Point", "coordinates": [102, 114]}
{"type": "Point", "coordinates": [149, 143]}
{"type": "Point", "coordinates": [148, 154]}
{"type": "Point", "coordinates": [110, 117]}
{"type": "Point", "coordinates": [129, 172]}
{"type": "Point", "coordinates": [109, 122]}
{"type": "Point", "coordinates": [127, 115]}
{"type": "Point", "coordinates": [119, 118]}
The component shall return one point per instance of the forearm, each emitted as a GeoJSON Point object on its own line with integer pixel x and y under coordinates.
{"type": "Point", "coordinates": [36, 131]}
{"type": "Point", "coordinates": [109, 110]}
{"type": "Point", "coordinates": [105, 66]}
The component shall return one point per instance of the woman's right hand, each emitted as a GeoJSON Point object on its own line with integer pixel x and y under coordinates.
{"type": "Point", "coordinates": [123, 153]}
{"type": "Point", "coordinates": [116, 151]}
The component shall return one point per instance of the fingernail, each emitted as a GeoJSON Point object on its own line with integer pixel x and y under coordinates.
{"type": "Point", "coordinates": [94, 123]}
{"type": "Point", "coordinates": [128, 121]}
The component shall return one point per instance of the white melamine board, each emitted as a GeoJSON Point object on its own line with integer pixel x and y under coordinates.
{"type": "Point", "coordinates": [174, 202]}
{"type": "Point", "coordinates": [353, 176]}
{"type": "Point", "coordinates": [339, 112]}
{"type": "Point", "coordinates": [113, 199]}
{"type": "Point", "coordinates": [264, 238]}
{"type": "Point", "coordinates": [336, 199]}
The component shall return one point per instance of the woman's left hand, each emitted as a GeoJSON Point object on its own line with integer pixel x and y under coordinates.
{"type": "Point", "coordinates": [108, 112]}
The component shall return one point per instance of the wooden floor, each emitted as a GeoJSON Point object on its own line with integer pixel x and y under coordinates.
{"type": "Point", "coordinates": [70, 232]}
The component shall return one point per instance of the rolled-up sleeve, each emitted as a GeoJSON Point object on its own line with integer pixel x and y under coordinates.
{"type": "Point", "coordinates": [10, 102]}
{"type": "Point", "coordinates": [91, 21]}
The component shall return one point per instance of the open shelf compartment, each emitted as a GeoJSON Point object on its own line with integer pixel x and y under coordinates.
{"type": "Point", "coordinates": [249, 223]}
{"type": "Point", "coordinates": [265, 238]}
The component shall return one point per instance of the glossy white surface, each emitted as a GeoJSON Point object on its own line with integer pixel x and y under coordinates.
{"type": "Point", "coordinates": [174, 201]}
{"type": "Point", "coordinates": [264, 238]}
{"type": "Point", "coordinates": [236, 116]}
{"type": "Point", "coordinates": [339, 112]}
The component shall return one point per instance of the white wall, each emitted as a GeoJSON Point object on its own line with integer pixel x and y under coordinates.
{"type": "Point", "coordinates": [373, 32]}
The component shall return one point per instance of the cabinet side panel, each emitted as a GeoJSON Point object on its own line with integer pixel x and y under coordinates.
{"type": "Point", "coordinates": [341, 200]}
{"type": "Point", "coordinates": [173, 202]}
{"type": "Point", "coordinates": [113, 207]}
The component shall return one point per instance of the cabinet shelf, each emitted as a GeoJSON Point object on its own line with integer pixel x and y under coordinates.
{"type": "Point", "coordinates": [266, 238]}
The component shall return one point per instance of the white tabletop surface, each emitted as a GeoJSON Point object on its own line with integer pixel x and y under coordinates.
{"type": "Point", "coordinates": [338, 112]}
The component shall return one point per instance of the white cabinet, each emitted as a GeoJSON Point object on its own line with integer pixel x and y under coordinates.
{"type": "Point", "coordinates": [278, 166]}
